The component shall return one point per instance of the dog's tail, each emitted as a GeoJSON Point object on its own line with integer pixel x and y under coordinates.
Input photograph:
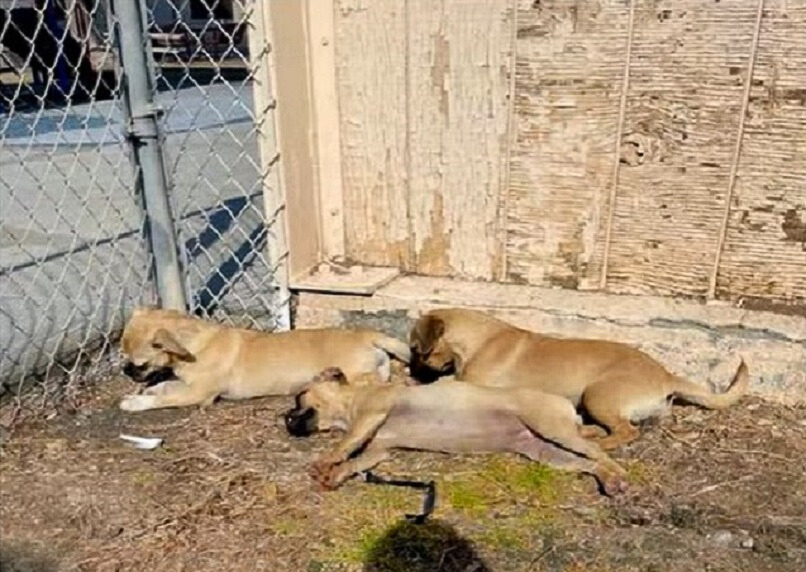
{"type": "Point", "coordinates": [698, 395]}
{"type": "Point", "coordinates": [392, 346]}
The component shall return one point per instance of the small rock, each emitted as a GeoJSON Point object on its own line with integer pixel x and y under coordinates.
{"type": "Point", "coordinates": [56, 446]}
{"type": "Point", "coordinates": [584, 511]}
{"type": "Point", "coordinates": [764, 422]}
{"type": "Point", "coordinates": [722, 537]}
{"type": "Point", "coordinates": [753, 407]}
{"type": "Point", "coordinates": [748, 543]}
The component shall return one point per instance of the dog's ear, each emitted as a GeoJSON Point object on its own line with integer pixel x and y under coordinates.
{"type": "Point", "coordinates": [427, 330]}
{"type": "Point", "coordinates": [165, 341]}
{"type": "Point", "coordinates": [327, 374]}
{"type": "Point", "coordinates": [331, 374]}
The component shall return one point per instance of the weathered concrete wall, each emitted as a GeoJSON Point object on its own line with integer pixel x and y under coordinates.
{"type": "Point", "coordinates": [701, 342]}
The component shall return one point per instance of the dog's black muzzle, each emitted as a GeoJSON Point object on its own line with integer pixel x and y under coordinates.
{"type": "Point", "coordinates": [301, 421]}
{"type": "Point", "coordinates": [421, 371]}
{"type": "Point", "coordinates": [141, 373]}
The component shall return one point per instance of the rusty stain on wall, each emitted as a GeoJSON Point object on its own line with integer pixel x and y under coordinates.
{"type": "Point", "coordinates": [456, 126]}
{"type": "Point", "coordinates": [569, 68]}
{"type": "Point", "coordinates": [764, 259]}
{"type": "Point", "coordinates": [433, 253]}
{"type": "Point", "coordinates": [439, 73]}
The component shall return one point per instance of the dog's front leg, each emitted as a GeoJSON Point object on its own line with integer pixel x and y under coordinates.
{"type": "Point", "coordinates": [167, 394]}
{"type": "Point", "coordinates": [165, 387]}
{"type": "Point", "coordinates": [339, 473]}
{"type": "Point", "coordinates": [359, 433]}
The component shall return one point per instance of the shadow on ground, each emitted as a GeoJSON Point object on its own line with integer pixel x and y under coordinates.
{"type": "Point", "coordinates": [22, 558]}
{"type": "Point", "coordinates": [434, 545]}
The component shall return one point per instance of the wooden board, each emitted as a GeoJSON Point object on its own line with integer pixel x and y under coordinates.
{"type": "Point", "coordinates": [765, 249]}
{"type": "Point", "coordinates": [294, 127]}
{"type": "Point", "coordinates": [325, 111]}
{"type": "Point", "coordinates": [345, 279]}
{"type": "Point", "coordinates": [371, 83]}
{"type": "Point", "coordinates": [480, 135]}
{"type": "Point", "coordinates": [458, 70]}
{"type": "Point", "coordinates": [569, 67]}
{"type": "Point", "coordinates": [687, 71]}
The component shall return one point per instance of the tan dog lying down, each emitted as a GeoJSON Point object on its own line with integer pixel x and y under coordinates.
{"type": "Point", "coordinates": [447, 416]}
{"type": "Point", "coordinates": [614, 383]}
{"type": "Point", "coordinates": [210, 360]}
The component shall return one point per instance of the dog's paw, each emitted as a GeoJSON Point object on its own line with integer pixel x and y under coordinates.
{"type": "Point", "coordinates": [322, 477]}
{"type": "Point", "coordinates": [334, 478]}
{"type": "Point", "coordinates": [593, 432]}
{"type": "Point", "coordinates": [137, 402]}
{"type": "Point", "coordinates": [614, 484]}
{"type": "Point", "coordinates": [319, 469]}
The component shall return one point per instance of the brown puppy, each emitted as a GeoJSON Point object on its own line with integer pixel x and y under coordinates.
{"type": "Point", "coordinates": [614, 383]}
{"type": "Point", "coordinates": [450, 417]}
{"type": "Point", "coordinates": [210, 360]}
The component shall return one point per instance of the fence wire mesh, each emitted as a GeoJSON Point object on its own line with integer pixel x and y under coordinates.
{"type": "Point", "coordinates": [209, 55]}
{"type": "Point", "coordinates": [74, 257]}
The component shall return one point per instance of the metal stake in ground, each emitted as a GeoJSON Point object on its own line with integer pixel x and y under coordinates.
{"type": "Point", "coordinates": [428, 502]}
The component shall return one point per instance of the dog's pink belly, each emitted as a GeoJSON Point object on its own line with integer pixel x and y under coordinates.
{"type": "Point", "coordinates": [491, 431]}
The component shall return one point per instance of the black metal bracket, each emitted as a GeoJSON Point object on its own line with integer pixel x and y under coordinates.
{"type": "Point", "coordinates": [429, 501]}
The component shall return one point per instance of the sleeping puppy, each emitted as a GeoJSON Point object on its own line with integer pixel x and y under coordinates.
{"type": "Point", "coordinates": [449, 417]}
{"type": "Point", "coordinates": [614, 383]}
{"type": "Point", "coordinates": [209, 360]}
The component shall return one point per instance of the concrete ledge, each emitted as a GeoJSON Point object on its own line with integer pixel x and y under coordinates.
{"type": "Point", "coordinates": [701, 342]}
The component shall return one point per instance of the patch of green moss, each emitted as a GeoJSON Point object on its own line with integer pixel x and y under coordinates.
{"type": "Point", "coordinates": [471, 495]}
{"type": "Point", "coordinates": [143, 478]}
{"type": "Point", "coordinates": [505, 536]}
{"type": "Point", "coordinates": [533, 482]}
{"type": "Point", "coordinates": [639, 473]}
{"type": "Point", "coordinates": [504, 502]}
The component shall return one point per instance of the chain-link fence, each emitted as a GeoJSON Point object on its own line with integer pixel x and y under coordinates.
{"type": "Point", "coordinates": [87, 88]}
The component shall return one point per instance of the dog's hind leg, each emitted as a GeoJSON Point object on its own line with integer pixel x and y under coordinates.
{"type": "Point", "coordinates": [621, 433]}
{"type": "Point", "coordinates": [592, 431]}
{"type": "Point", "coordinates": [598, 404]}
{"type": "Point", "coordinates": [561, 428]}
{"type": "Point", "coordinates": [610, 479]}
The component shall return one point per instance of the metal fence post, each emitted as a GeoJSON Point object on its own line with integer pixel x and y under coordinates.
{"type": "Point", "coordinates": [144, 137]}
{"type": "Point", "coordinates": [261, 60]}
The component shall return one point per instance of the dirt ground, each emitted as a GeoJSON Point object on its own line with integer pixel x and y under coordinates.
{"type": "Point", "coordinates": [229, 491]}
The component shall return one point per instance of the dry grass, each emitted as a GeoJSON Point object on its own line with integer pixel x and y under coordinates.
{"type": "Point", "coordinates": [229, 491]}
